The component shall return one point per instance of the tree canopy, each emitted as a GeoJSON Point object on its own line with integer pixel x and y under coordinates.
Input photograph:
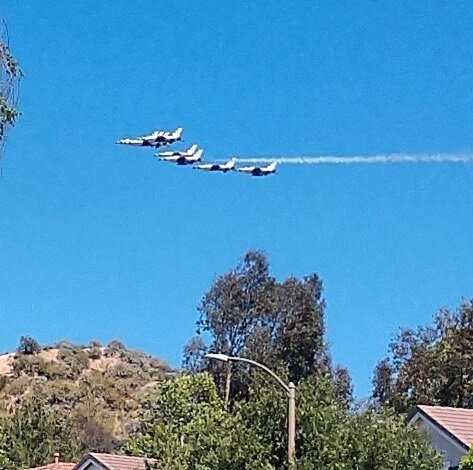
{"type": "Point", "coordinates": [32, 435]}
{"type": "Point", "coordinates": [247, 312]}
{"type": "Point", "coordinates": [185, 425]}
{"type": "Point", "coordinates": [432, 365]}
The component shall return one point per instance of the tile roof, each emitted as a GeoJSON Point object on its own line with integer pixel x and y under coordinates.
{"type": "Point", "coordinates": [119, 462]}
{"type": "Point", "coordinates": [458, 422]}
{"type": "Point", "coordinates": [56, 466]}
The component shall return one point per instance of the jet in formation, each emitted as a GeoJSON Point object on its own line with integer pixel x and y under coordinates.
{"type": "Point", "coordinates": [155, 139]}
{"type": "Point", "coordinates": [192, 155]}
{"type": "Point", "coordinates": [223, 167]}
{"type": "Point", "coordinates": [259, 170]}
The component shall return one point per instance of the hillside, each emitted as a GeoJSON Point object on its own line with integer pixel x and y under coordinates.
{"type": "Point", "coordinates": [100, 386]}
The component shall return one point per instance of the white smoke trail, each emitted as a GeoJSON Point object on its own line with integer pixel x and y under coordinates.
{"type": "Point", "coordinates": [363, 159]}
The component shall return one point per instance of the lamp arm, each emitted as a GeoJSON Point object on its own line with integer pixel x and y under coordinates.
{"type": "Point", "coordinates": [261, 366]}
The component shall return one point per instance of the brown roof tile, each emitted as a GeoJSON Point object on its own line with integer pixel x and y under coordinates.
{"type": "Point", "coordinates": [120, 462]}
{"type": "Point", "coordinates": [456, 421]}
{"type": "Point", "coordinates": [56, 466]}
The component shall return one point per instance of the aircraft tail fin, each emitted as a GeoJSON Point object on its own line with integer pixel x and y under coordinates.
{"type": "Point", "coordinates": [192, 149]}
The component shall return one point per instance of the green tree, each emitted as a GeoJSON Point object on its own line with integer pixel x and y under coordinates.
{"type": "Point", "coordinates": [32, 435]}
{"type": "Point", "coordinates": [330, 436]}
{"type": "Point", "coordinates": [246, 312]}
{"type": "Point", "coordinates": [184, 425]}
{"type": "Point", "coordinates": [430, 365]}
{"type": "Point", "coordinates": [28, 345]}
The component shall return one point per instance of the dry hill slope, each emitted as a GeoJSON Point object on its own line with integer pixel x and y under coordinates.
{"type": "Point", "coordinates": [102, 385]}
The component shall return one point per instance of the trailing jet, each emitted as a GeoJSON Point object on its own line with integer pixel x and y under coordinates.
{"type": "Point", "coordinates": [184, 158]}
{"type": "Point", "coordinates": [259, 171]}
{"type": "Point", "coordinates": [175, 153]}
{"type": "Point", "coordinates": [223, 167]}
{"type": "Point", "coordinates": [155, 139]}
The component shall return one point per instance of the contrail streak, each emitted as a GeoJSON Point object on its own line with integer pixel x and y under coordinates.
{"type": "Point", "coordinates": [364, 159]}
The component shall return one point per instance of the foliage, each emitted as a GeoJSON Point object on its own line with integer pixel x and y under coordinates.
{"type": "Point", "coordinates": [101, 395]}
{"type": "Point", "coordinates": [75, 361]}
{"type": "Point", "coordinates": [432, 365]}
{"type": "Point", "coordinates": [467, 461]}
{"type": "Point", "coordinates": [95, 350]}
{"type": "Point", "coordinates": [10, 73]}
{"type": "Point", "coordinates": [28, 345]}
{"type": "Point", "coordinates": [184, 425]}
{"type": "Point", "coordinates": [246, 312]}
{"type": "Point", "coordinates": [104, 399]}
{"type": "Point", "coordinates": [34, 366]}
{"type": "Point", "coordinates": [96, 437]}
{"type": "Point", "coordinates": [194, 352]}
{"type": "Point", "coordinates": [116, 345]}
{"type": "Point", "coordinates": [34, 433]}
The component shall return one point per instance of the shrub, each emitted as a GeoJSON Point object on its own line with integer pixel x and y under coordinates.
{"type": "Point", "coordinates": [3, 382]}
{"type": "Point", "coordinates": [116, 345]}
{"type": "Point", "coordinates": [28, 345]}
{"type": "Point", "coordinates": [467, 461]}
{"type": "Point", "coordinates": [32, 366]}
{"type": "Point", "coordinates": [95, 352]}
{"type": "Point", "coordinates": [76, 360]}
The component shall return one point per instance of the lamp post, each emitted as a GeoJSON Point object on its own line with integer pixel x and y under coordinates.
{"type": "Point", "coordinates": [290, 390]}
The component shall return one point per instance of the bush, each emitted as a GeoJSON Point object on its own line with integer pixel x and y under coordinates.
{"type": "Point", "coordinates": [467, 461]}
{"type": "Point", "coordinates": [95, 437]}
{"type": "Point", "coordinates": [65, 345]}
{"type": "Point", "coordinates": [3, 382]}
{"type": "Point", "coordinates": [116, 345]}
{"type": "Point", "coordinates": [95, 352]}
{"type": "Point", "coordinates": [76, 360]}
{"type": "Point", "coordinates": [28, 345]}
{"type": "Point", "coordinates": [32, 366]}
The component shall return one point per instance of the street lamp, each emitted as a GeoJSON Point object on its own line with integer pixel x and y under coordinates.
{"type": "Point", "coordinates": [290, 390]}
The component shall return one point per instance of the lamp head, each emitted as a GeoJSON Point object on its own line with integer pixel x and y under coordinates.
{"type": "Point", "coordinates": [217, 357]}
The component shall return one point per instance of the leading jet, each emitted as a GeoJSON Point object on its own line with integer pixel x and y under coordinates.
{"type": "Point", "coordinates": [259, 170]}
{"type": "Point", "coordinates": [155, 139]}
{"type": "Point", "coordinates": [223, 167]}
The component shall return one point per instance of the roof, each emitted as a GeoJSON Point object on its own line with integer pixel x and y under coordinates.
{"type": "Point", "coordinates": [56, 466]}
{"type": "Point", "coordinates": [116, 462]}
{"type": "Point", "coordinates": [457, 422]}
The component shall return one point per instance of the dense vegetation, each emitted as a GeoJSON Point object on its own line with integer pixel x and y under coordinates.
{"type": "Point", "coordinates": [74, 399]}
{"type": "Point", "coordinates": [432, 365]}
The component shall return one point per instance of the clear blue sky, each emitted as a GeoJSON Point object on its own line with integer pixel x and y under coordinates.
{"type": "Point", "coordinates": [101, 241]}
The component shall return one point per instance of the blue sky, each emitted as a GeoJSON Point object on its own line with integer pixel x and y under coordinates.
{"type": "Point", "coordinates": [101, 241]}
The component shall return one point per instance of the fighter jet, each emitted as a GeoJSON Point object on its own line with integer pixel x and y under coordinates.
{"type": "Point", "coordinates": [155, 139]}
{"type": "Point", "coordinates": [223, 167]}
{"type": "Point", "coordinates": [183, 158]}
{"type": "Point", "coordinates": [259, 171]}
{"type": "Point", "coordinates": [175, 153]}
